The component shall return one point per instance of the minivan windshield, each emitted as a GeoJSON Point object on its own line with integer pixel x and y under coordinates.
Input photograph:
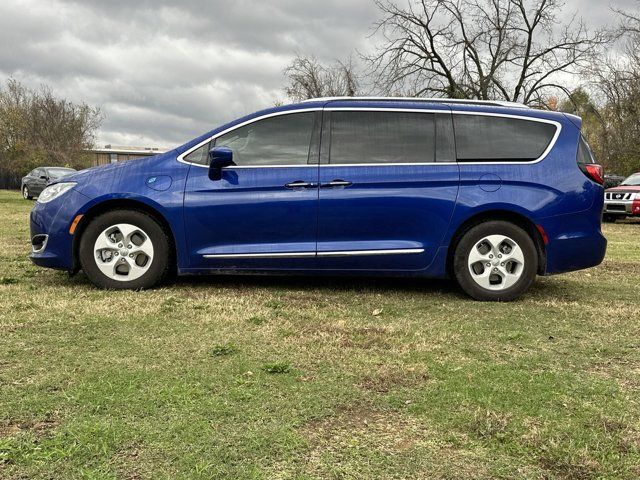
{"type": "Point", "coordinates": [633, 180]}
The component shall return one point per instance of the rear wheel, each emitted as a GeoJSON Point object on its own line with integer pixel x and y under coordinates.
{"type": "Point", "coordinates": [496, 261]}
{"type": "Point", "coordinates": [608, 218]}
{"type": "Point", "coordinates": [125, 249]}
{"type": "Point", "coordinates": [26, 194]}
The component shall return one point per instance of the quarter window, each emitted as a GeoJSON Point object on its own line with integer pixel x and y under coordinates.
{"type": "Point", "coordinates": [280, 140]}
{"type": "Point", "coordinates": [200, 155]}
{"type": "Point", "coordinates": [382, 137]}
{"type": "Point", "coordinates": [482, 138]}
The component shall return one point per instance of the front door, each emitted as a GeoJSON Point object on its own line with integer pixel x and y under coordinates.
{"type": "Point", "coordinates": [262, 214]}
{"type": "Point", "coordinates": [388, 187]}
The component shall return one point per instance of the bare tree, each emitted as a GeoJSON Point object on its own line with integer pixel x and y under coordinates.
{"type": "Point", "coordinates": [308, 78]}
{"type": "Point", "coordinates": [616, 81]}
{"type": "Point", "coordinates": [483, 49]}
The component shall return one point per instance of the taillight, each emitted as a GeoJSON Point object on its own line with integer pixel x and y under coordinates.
{"type": "Point", "coordinates": [635, 206]}
{"type": "Point", "coordinates": [594, 171]}
{"type": "Point", "coordinates": [587, 162]}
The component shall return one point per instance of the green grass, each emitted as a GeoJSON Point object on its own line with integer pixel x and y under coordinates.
{"type": "Point", "coordinates": [269, 377]}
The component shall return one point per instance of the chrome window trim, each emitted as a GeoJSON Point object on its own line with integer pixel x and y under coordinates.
{"type": "Point", "coordinates": [248, 122]}
{"type": "Point", "coordinates": [544, 154]}
{"type": "Point", "coordinates": [453, 101]}
{"type": "Point", "coordinates": [336, 253]}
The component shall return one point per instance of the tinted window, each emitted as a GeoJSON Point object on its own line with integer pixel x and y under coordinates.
{"type": "Point", "coordinates": [281, 140]}
{"type": "Point", "coordinates": [482, 138]}
{"type": "Point", "coordinates": [382, 137]}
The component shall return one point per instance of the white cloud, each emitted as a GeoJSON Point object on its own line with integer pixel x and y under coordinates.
{"type": "Point", "coordinates": [165, 71]}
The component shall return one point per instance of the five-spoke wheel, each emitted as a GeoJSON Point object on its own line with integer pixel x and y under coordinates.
{"type": "Point", "coordinates": [125, 249]}
{"type": "Point", "coordinates": [495, 260]}
{"type": "Point", "coordinates": [123, 252]}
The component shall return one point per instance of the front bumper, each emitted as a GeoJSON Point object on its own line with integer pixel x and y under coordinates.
{"type": "Point", "coordinates": [618, 207]}
{"type": "Point", "coordinates": [621, 202]}
{"type": "Point", "coordinates": [52, 221]}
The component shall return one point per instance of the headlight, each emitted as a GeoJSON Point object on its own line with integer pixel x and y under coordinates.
{"type": "Point", "coordinates": [54, 191]}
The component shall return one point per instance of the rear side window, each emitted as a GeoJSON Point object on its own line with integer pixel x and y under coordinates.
{"type": "Point", "coordinates": [382, 137]}
{"type": "Point", "coordinates": [483, 138]}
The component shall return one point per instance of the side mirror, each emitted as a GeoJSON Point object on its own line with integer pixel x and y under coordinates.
{"type": "Point", "coordinates": [44, 177]}
{"type": "Point", "coordinates": [219, 157]}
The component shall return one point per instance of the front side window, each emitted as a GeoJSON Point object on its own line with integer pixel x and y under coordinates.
{"type": "Point", "coordinates": [382, 137]}
{"type": "Point", "coordinates": [280, 140]}
{"type": "Point", "coordinates": [483, 138]}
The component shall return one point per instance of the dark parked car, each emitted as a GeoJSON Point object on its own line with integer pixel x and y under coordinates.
{"type": "Point", "coordinates": [612, 180]}
{"type": "Point", "coordinates": [35, 181]}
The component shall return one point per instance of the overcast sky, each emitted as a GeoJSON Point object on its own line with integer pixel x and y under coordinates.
{"type": "Point", "coordinates": [165, 71]}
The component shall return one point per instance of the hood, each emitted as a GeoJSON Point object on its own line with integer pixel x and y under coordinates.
{"type": "Point", "coordinates": [112, 169]}
{"type": "Point", "coordinates": [624, 188]}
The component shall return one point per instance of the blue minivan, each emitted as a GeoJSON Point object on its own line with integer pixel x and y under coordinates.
{"type": "Point", "coordinates": [489, 193]}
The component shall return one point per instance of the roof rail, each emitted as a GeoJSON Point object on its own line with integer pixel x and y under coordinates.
{"type": "Point", "coordinates": [494, 103]}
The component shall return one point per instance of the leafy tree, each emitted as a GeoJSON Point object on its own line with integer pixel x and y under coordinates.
{"type": "Point", "coordinates": [37, 128]}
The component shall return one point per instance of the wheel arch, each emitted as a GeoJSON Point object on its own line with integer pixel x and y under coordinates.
{"type": "Point", "coordinates": [510, 216]}
{"type": "Point", "coordinates": [122, 204]}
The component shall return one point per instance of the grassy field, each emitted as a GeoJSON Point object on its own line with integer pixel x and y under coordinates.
{"type": "Point", "coordinates": [245, 377]}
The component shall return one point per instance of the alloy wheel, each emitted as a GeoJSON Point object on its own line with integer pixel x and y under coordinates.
{"type": "Point", "coordinates": [123, 252]}
{"type": "Point", "coordinates": [496, 262]}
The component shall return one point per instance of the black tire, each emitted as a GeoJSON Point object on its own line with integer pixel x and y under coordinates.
{"type": "Point", "coordinates": [25, 193]}
{"type": "Point", "coordinates": [471, 238]}
{"type": "Point", "coordinates": [161, 264]}
{"type": "Point", "coordinates": [608, 218]}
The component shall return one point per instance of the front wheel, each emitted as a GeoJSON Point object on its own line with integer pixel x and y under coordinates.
{"type": "Point", "coordinates": [125, 249]}
{"type": "Point", "coordinates": [26, 194]}
{"type": "Point", "coordinates": [495, 261]}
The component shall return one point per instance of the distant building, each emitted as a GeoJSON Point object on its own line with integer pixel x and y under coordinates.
{"type": "Point", "coordinates": [115, 154]}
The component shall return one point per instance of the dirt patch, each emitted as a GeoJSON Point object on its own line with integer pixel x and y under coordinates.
{"type": "Point", "coordinates": [12, 429]}
{"type": "Point", "coordinates": [386, 379]}
{"type": "Point", "coordinates": [364, 442]}
{"type": "Point", "coordinates": [568, 470]}
{"type": "Point", "coordinates": [365, 338]}
{"type": "Point", "coordinates": [383, 430]}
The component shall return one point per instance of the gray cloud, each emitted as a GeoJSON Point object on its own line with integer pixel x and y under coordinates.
{"type": "Point", "coordinates": [165, 71]}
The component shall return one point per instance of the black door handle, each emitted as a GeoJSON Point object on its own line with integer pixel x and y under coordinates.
{"type": "Point", "coordinates": [336, 183]}
{"type": "Point", "coordinates": [301, 184]}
